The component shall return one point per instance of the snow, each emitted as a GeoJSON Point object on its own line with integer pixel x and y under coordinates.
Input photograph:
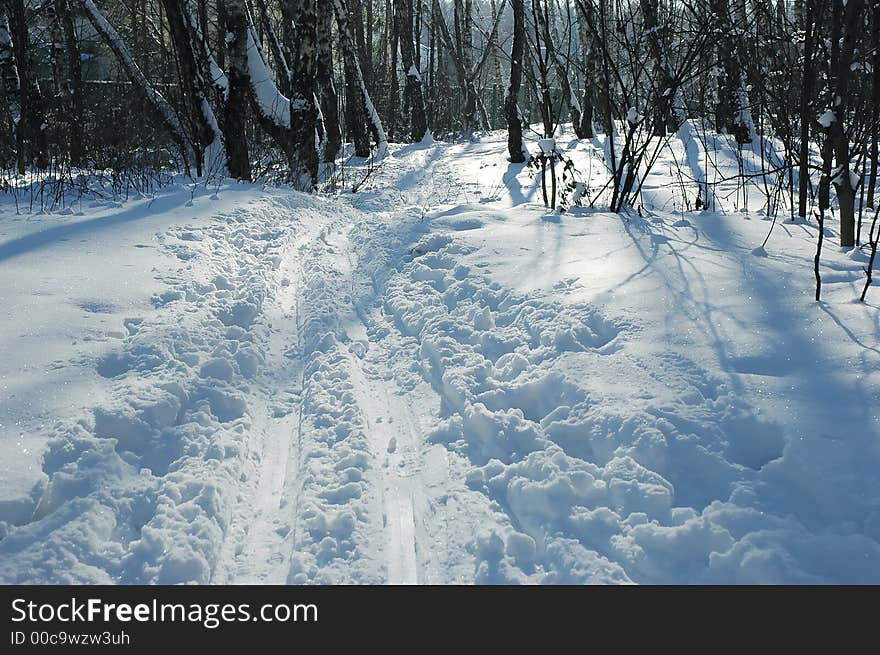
{"type": "Point", "coordinates": [633, 116]}
{"type": "Point", "coordinates": [434, 380]}
{"type": "Point", "coordinates": [5, 36]}
{"type": "Point", "coordinates": [827, 118]}
{"type": "Point", "coordinates": [375, 120]}
{"type": "Point", "coordinates": [547, 146]}
{"type": "Point", "coordinates": [854, 180]}
{"type": "Point", "coordinates": [271, 101]}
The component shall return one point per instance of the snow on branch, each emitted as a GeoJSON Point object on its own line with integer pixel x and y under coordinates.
{"type": "Point", "coordinates": [274, 104]}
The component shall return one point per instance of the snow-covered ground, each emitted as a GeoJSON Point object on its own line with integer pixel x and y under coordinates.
{"type": "Point", "coordinates": [435, 380]}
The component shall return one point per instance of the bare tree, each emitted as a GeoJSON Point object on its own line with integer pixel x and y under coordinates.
{"type": "Point", "coordinates": [67, 77]}
{"type": "Point", "coordinates": [329, 101]}
{"type": "Point", "coordinates": [206, 136]}
{"type": "Point", "coordinates": [155, 100]}
{"type": "Point", "coordinates": [668, 100]}
{"type": "Point", "coordinates": [235, 96]}
{"type": "Point", "coordinates": [403, 27]}
{"type": "Point", "coordinates": [515, 147]}
{"type": "Point", "coordinates": [8, 79]}
{"type": "Point", "coordinates": [353, 73]}
{"type": "Point", "coordinates": [808, 85]}
{"type": "Point", "coordinates": [732, 112]}
{"type": "Point", "coordinates": [31, 140]}
{"type": "Point", "coordinates": [844, 183]}
{"type": "Point", "coordinates": [875, 104]}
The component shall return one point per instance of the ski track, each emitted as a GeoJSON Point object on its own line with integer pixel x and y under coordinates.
{"type": "Point", "coordinates": [335, 391]}
{"type": "Point", "coordinates": [394, 448]}
{"type": "Point", "coordinates": [259, 554]}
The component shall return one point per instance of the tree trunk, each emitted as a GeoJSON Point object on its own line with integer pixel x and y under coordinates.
{"type": "Point", "coordinates": [393, 84]}
{"type": "Point", "coordinates": [589, 60]}
{"type": "Point", "coordinates": [353, 69]}
{"type": "Point", "coordinates": [875, 105]}
{"type": "Point", "coordinates": [73, 82]}
{"type": "Point", "coordinates": [418, 120]}
{"type": "Point", "coordinates": [9, 81]}
{"type": "Point", "coordinates": [808, 85]}
{"type": "Point", "coordinates": [235, 24]}
{"type": "Point", "coordinates": [326, 89]}
{"type": "Point", "coordinates": [828, 143]}
{"type": "Point", "coordinates": [852, 12]}
{"type": "Point", "coordinates": [515, 148]}
{"type": "Point", "coordinates": [362, 38]}
{"type": "Point", "coordinates": [470, 111]}
{"type": "Point", "coordinates": [355, 116]}
{"type": "Point", "coordinates": [31, 141]}
{"type": "Point", "coordinates": [550, 38]}
{"type": "Point", "coordinates": [206, 132]}
{"type": "Point", "coordinates": [541, 61]}
{"type": "Point", "coordinates": [669, 111]}
{"type": "Point", "coordinates": [275, 47]}
{"type": "Point", "coordinates": [729, 106]}
{"type": "Point", "coordinates": [303, 108]}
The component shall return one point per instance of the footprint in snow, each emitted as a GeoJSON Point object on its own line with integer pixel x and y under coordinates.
{"type": "Point", "coordinates": [96, 306]}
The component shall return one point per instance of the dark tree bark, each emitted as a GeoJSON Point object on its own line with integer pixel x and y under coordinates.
{"type": "Point", "coordinates": [205, 130]}
{"type": "Point", "coordinates": [667, 85]}
{"type": "Point", "coordinates": [73, 83]}
{"type": "Point", "coordinates": [288, 41]}
{"type": "Point", "coordinates": [461, 56]}
{"type": "Point", "coordinates": [235, 23]}
{"type": "Point", "coordinates": [367, 62]}
{"type": "Point", "coordinates": [851, 25]}
{"type": "Point", "coordinates": [355, 106]}
{"type": "Point", "coordinates": [303, 108]}
{"type": "Point", "coordinates": [403, 23]}
{"type": "Point", "coordinates": [808, 86]}
{"type": "Point", "coordinates": [549, 37]}
{"type": "Point", "coordinates": [362, 107]}
{"type": "Point", "coordinates": [276, 47]}
{"type": "Point", "coordinates": [355, 116]}
{"type": "Point", "coordinates": [589, 61]}
{"type": "Point", "coordinates": [728, 108]}
{"type": "Point", "coordinates": [827, 149]}
{"type": "Point", "coordinates": [542, 65]}
{"type": "Point", "coordinates": [875, 106]}
{"type": "Point", "coordinates": [31, 142]}
{"type": "Point", "coordinates": [363, 39]}
{"type": "Point", "coordinates": [393, 84]}
{"type": "Point", "coordinates": [271, 108]}
{"type": "Point", "coordinates": [9, 85]}
{"type": "Point", "coordinates": [326, 89]}
{"type": "Point", "coordinates": [515, 147]}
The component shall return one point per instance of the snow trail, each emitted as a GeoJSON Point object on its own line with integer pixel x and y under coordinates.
{"type": "Point", "coordinates": [391, 436]}
{"type": "Point", "coordinates": [434, 381]}
{"type": "Point", "coordinates": [261, 555]}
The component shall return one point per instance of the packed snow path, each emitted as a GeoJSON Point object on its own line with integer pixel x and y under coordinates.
{"type": "Point", "coordinates": [434, 380]}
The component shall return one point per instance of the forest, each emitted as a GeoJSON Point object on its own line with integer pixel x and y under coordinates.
{"type": "Point", "coordinates": [276, 89]}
